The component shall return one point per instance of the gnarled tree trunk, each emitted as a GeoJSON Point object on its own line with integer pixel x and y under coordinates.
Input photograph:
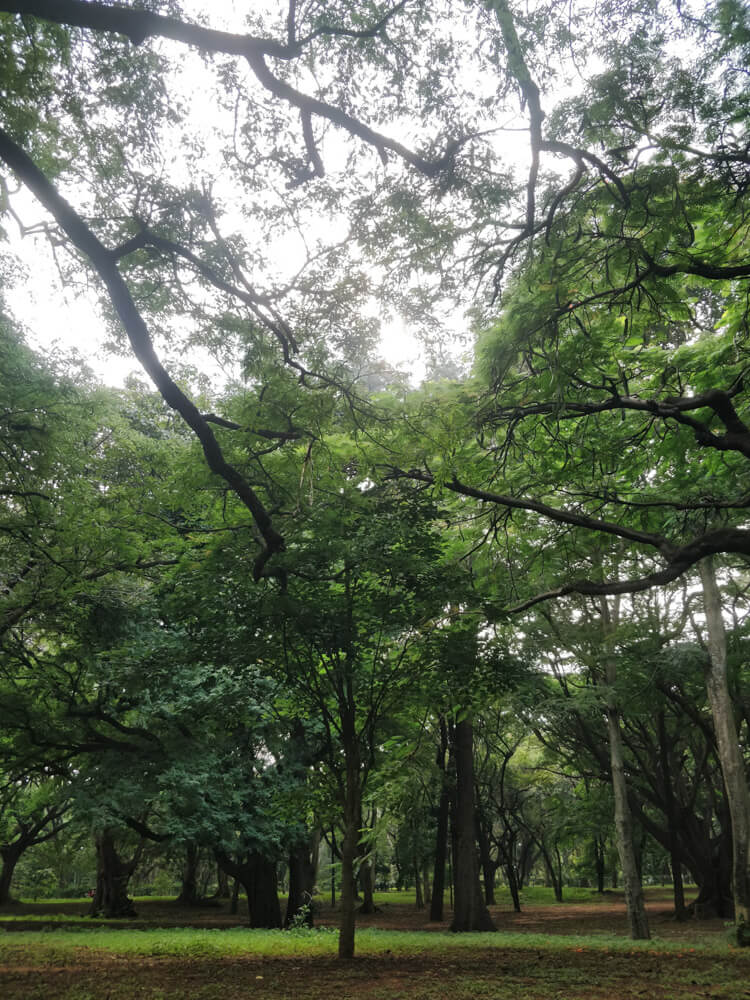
{"type": "Point", "coordinates": [113, 875]}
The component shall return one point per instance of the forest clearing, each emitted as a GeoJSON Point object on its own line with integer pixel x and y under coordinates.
{"type": "Point", "coordinates": [570, 951]}
{"type": "Point", "coordinates": [375, 498]}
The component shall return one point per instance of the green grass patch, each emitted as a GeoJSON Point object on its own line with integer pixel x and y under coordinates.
{"type": "Point", "coordinates": [53, 944]}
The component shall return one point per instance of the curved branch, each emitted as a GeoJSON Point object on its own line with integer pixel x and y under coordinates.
{"type": "Point", "coordinates": [140, 339]}
{"type": "Point", "coordinates": [730, 540]}
{"type": "Point", "coordinates": [137, 25]}
{"type": "Point", "coordinates": [678, 559]}
{"type": "Point", "coordinates": [736, 438]}
{"type": "Point", "coordinates": [579, 155]}
{"type": "Point", "coordinates": [557, 514]}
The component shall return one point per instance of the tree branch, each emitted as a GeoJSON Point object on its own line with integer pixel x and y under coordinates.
{"type": "Point", "coordinates": [137, 25]}
{"type": "Point", "coordinates": [678, 558]}
{"type": "Point", "coordinates": [140, 339]}
{"type": "Point", "coordinates": [659, 542]}
{"type": "Point", "coordinates": [737, 437]}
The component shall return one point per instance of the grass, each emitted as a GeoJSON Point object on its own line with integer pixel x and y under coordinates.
{"type": "Point", "coordinates": [579, 961]}
{"type": "Point", "coordinates": [568, 951]}
{"type": "Point", "coordinates": [371, 942]}
{"type": "Point", "coordinates": [238, 964]}
{"type": "Point", "coordinates": [537, 894]}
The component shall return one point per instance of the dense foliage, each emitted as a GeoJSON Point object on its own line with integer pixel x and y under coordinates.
{"type": "Point", "coordinates": [304, 600]}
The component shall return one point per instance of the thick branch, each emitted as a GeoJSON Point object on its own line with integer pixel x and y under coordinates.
{"type": "Point", "coordinates": [730, 540]}
{"type": "Point", "coordinates": [137, 25]}
{"type": "Point", "coordinates": [290, 435]}
{"type": "Point", "coordinates": [737, 437]}
{"type": "Point", "coordinates": [678, 559]}
{"type": "Point", "coordinates": [557, 514]}
{"type": "Point", "coordinates": [530, 91]}
{"type": "Point", "coordinates": [143, 830]}
{"type": "Point", "coordinates": [101, 258]}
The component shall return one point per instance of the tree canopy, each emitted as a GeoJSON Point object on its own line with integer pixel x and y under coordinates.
{"type": "Point", "coordinates": [283, 567]}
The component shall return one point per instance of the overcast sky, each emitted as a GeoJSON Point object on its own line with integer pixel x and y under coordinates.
{"type": "Point", "coordinates": [68, 316]}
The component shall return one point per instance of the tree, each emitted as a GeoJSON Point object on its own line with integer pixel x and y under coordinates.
{"type": "Point", "coordinates": [609, 396]}
{"type": "Point", "coordinates": [367, 578]}
{"type": "Point", "coordinates": [31, 813]}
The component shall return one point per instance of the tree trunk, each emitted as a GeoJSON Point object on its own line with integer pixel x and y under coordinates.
{"type": "Point", "coordinates": [367, 881]}
{"type": "Point", "coordinates": [512, 877]}
{"type": "Point", "coordinates": [263, 892]}
{"type": "Point", "coordinates": [235, 902]}
{"type": "Point", "coordinates": [599, 861]}
{"type": "Point", "coordinates": [525, 862]}
{"type": "Point", "coordinates": [222, 884]}
{"type": "Point", "coordinates": [189, 891]}
{"type": "Point", "coordinates": [730, 757]}
{"type": "Point", "coordinates": [10, 855]}
{"type": "Point", "coordinates": [257, 874]}
{"type": "Point", "coordinates": [670, 810]}
{"type": "Point", "coordinates": [488, 866]}
{"type": "Point", "coordinates": [714, 890]}
{"type": "Point", "coordinates": [112, 878]}
{"type": "Point", "coordinates": [634, 900]}
{"type": "Point", "coordinates": [426, 887]}
{"type": "Point", "coordinates": [302, 873]}
{"type": "Point", "coordinates": [418, 886]}
{"type": "Point", "coordinates": [441, 837]}
{"type": "Point", "coordinates": [469, 912]}
{"type": "Point", "coordinates": [349, 847]}
{"type": "Point", "coordinates": [554, 871]}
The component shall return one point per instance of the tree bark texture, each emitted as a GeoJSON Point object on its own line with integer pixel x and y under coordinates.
{"type": "Point", "coordinates": [469, 911]}
{"type": "Point", "coordinates": [730, 757]}
{"type": "Point", "coordinates": [441, 833]}
{"type": "Point", "coordinates": [112, 877]}
{"type": "Point", "coordinates": [634, 900]}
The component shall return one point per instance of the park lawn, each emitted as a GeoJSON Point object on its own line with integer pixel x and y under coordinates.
{"type": "Point", "coordinates": [197, 964]}
{"type": "Point", "coordinates": [578, 950]}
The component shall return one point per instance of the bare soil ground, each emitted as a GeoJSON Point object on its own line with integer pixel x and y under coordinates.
{"type": "Point", "coordinates": [600, 914]}
{"type": "Point", "coordinates": [571, 972]}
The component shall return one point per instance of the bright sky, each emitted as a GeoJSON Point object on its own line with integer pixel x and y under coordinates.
{"type": "Point", "coordinates": [68, 316]}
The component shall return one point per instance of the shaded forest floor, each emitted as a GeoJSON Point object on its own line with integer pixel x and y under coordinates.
{"type": "Point", "coordinates": [577, 950]}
